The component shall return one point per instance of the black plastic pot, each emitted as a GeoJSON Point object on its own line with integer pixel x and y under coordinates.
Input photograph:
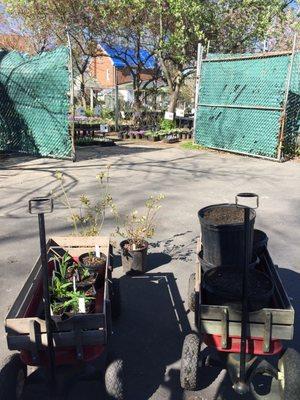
{"type": "Point", "coordinates": [206, 266]}
{"type": "Point", "coordinates": [98, 268]}
{"type": "Point", "coordinates": [223, 286]}
{"type": "Point", "coordinates": [134, 260]}
{"type": "Point", "coordinates": [222, 233]}
{"type": "Point", "coordinates": [87, 284]}
{"type": "Point", "coordinates": [260, 241]}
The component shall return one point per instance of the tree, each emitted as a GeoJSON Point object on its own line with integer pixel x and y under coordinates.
{"type": "Point", "coordinates": [51, 20]}
{"type": "Point", "coordinates": [239, 25]}
{"type": "Point", "coordinates": [14, 36]}
{"type": "Point", "coordinates": [178, 26]}
{"type": "Point", "coordinates": [280, 35]}
{"type": "Point", "coordinates": [125, 31]}
{"type": "Point", "coordinates": [230, 26]}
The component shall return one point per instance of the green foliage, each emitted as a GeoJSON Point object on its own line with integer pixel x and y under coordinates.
{"type": "Point", "coordinates": [73, 300]}
{"type": "Point", "coordinates": [59, 288]}
{"type": "Point", "coordinates": [57, 307]}
{"type": "Point", "coordinates": [84, 141]}
{"type": "Point", "coordinates": [89, 112]}
{"type": "Point", "coordinates": [241, 24]}
{"type": "Point", "coordinates": [167, 125]}
{"type": "Point", "coordinates": [63, 298]}
{"type": "Point", "coordinates": [106, 113]}
{"type": "Point", "coordinates": [190, 145]}
{"type": "Point", "coordinates": [171, 29]}
{"type": "Point", "coordinates": [63, 262]}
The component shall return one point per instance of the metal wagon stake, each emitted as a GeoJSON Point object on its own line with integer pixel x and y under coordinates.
{"type": "Point", "coordinates": [41, 206]}
{"type": "Point", "coordinates": [241, 386]}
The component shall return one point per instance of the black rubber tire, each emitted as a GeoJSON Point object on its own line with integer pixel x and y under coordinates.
{"type": "Point", "coordinates": [12, 371]}
{"type": "Point", "coordinates": [189, 369]}
{"type": "Point", "coordinates": [115, 381]}
{"type": "Point", "coordinates": [192, 293]}
{"type": "Point", "coordinates": [115, 297]}
{"type": "Point", "coordinates": [289, 365]}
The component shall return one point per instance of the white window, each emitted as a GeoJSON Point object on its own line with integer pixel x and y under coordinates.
{"type": "Point", "coordinates": [107, 74]}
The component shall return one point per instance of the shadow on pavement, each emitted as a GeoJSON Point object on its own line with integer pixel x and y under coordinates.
{"type": "Point", "coordinates": [94, 152]}
{"type": "Point", "coordinates": [149, 337]}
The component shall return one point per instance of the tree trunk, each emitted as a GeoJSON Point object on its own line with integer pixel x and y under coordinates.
{"type": "Point", "coordinates": [82, 93]}
{"type": "Point", "coordinates": [174, 95]}
{"type": "Point", "coordinates": [137, 106]}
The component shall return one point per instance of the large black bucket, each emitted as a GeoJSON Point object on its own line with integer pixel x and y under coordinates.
{"type": "Point", "coordinates": [222, 233]}
{"type": "Point", "coordinates": [224, 286]}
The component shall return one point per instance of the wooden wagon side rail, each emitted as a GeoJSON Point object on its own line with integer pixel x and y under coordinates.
{"type": "Point", "coordinates": [60, 339]}
{"type": "Point", "coordinates": [267, 324]}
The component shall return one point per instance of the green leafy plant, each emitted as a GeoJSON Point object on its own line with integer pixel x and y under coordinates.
{"type": "Point", "coordinates": [84, 273]}
{"type": "Point", "coordinates": [139, 227]}
{"type": "Point", "coordinates": [59, 288]}
{"type": "Point", "coordinates": [89, 112]}
{"type": "Point", "coordinates": [58, 307]}
{"type": "Point", "coordinates": [167, 125]}
{"type": "Point", "coordinates": [63, 263]}
{"type": "Point", "coordinates": [106, 113]}
{"type": "Point", "coordinates": [88, 218]}
{"type": "Point", "coordinates": [73, 300]}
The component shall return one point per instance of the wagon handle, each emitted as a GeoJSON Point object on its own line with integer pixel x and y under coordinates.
{"type": "Point", "coordinates": [40, 206]}
{"type": "Point", "coordinates": [242, 196]}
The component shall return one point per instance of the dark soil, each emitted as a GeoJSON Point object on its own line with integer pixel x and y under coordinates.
{"type": "Point", "coordinates": [225, 215]}
{"type": "Point", "coordinates": [92, 261]}
{"type": "Point", "coordinates": [230, 281]}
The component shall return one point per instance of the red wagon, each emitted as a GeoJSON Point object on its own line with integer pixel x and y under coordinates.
{"type": "Point", "coordinates": [219, 327]}
{"type": "Point", "coordinates": [79, 340]}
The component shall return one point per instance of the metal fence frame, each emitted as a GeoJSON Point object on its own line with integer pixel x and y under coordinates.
{"type": "Point", "coordinates": [199, 83]}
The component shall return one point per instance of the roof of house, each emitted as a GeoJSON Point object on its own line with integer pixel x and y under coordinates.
{"type": "Point", "coordinates": [122, 56]}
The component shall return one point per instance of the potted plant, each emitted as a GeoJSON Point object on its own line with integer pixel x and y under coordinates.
{"type": "Point", "coordinates": [68, 274]}
{"type": "Point", "coordinates": [87, 280]}
{"type": "Point", "coordinates": [58, 295]}
{"type": "Point", "coordinates": [65, 301]}
{"type": "Point", "coordinates": [78, 302]}
{"type": "Point", "coordinates": [94, 263]}
{"type": "Point", "coordinates": [88, 218]}
{"type": "Point", "coordinates": [135, 230]}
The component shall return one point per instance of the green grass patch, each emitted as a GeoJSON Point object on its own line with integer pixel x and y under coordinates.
{"type": "Point", "coordinates": [190, 145]}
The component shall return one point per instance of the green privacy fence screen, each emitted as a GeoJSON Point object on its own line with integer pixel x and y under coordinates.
{"type": "Point", "coordinates": [242, 107]}
{"type": "Point", "coordinates": [34, 103]}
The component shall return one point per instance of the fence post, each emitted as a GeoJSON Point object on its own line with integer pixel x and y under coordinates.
{"type": "Point", "coordinates": [72, 98]}
{"type": "Point", "coordinates": [283, 116]}
{"type": "Point", "coordinates": [198, 77]}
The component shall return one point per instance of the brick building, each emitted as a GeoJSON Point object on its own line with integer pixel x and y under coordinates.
{"type": "Point", "coordinates": [111, 68]}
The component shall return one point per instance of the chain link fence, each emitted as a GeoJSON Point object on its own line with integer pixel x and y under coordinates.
{"type": "Point", "coordinates": [242, 104]}
{"type": "Point", "coordinates": [34, 103]}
